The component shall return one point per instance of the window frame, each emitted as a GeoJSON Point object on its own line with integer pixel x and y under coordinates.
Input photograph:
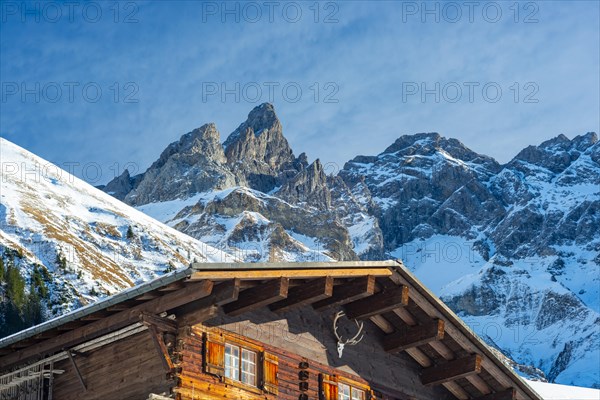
{"type": "Point", "coordinates": [265, 362]}
{"type": "Point", "coordinates": [258, 354]}
{"type": "Point", "coordinates": [352, 387]}
{"type": "Point", "coordinates": [339, 382]}
{"type": "Point", "coordinates": [240, 372]}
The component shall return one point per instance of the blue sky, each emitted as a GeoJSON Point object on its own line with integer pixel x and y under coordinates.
{"type": "Point", "coordinates": [368, 72]}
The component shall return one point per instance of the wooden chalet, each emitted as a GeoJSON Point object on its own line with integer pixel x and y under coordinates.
{"type": "Point", "coordinates": [260, 331]}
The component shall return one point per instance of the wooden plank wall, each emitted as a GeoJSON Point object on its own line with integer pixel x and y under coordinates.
{"type": "Point", "coordinates": [196, 385]}
{"type": "Point", "coordinates": [302, 335]}
{"type": "Point", "coordinates": [127, 369]}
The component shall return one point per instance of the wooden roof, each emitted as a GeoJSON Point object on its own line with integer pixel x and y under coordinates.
{"type": "Point", "coordinates": [412, 319]}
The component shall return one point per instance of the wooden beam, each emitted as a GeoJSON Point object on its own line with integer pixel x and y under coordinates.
{"type": "Point", "coordinates": [288, 273]}
{"type": "Point", "coordinates": [119, 307]}
{"type": "Point", "coordinates": [448, 354]}
{"type": "Point", "coordinates": [379, 303]}
{"type": "Point", "coordinates": [509, 394]}
{"type": "Point", "coordinates": [424, 361]}
{"type": "Point", "coordinates": [414, 336]}
{"type": "Point", "coordinates": [161, 324]}
{"type": "Point", "coordinates": [405, 315]}
{"type": "Point", "coordinates": [259, 296]}
{"type": "Point", "coordinates": [147, 296]}
{"type": "Point", "coordinates": [70, 326]}
{"type": "Point", "coordinates": [109, 324]}
{"type": "Point", "coordinates": [451, 370]}
{"type": "Point", "coordinates": [203, 309]}
{"type": "Point", "coordinates": [95, 316]}
{"type": "Point", "coordinates": [308, 293]}
{"type": "Point", "coordinates": [348, 292]}
{"type": "Point", "coordinates": [77, 372]}
{"type": "Point", "coordinates": [24, 343]}
{"type": "Point", "coordinates": [383, 324]}
{"type": "Point", "coordinates": [45, 335]}
{"type": "Point", "coordinates": [456, 390]}
{"type": "Point", "coordinates": [171, 287]}
{"type": "Point", "coordinates": [443, 350]}
{"type": "Point", "coordinates": [161, 348]}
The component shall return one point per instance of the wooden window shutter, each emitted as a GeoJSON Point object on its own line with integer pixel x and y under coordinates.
{"type": "Point", "coordinates": [214, 354]}
{"type": "Point", "coordinates": [270, 382]}
{"type": "Point", "coordinates": [328, 387]}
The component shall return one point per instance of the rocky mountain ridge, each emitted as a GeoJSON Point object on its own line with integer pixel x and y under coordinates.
{"type": "Point", "coordinates": [515, 247]}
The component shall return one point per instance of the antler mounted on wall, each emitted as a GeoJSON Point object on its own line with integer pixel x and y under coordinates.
{"type": "Point", "coordinates": [351, 342]}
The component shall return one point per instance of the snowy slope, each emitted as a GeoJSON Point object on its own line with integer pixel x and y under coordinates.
{"type": "Point", "coordinates": [552, 391]}
{"type": "Point", "coordinates": [45, 212]}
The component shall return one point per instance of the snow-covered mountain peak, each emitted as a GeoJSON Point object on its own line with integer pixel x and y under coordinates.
{"type": "Point", "coordinates": [88, 243]}
{"type": "Point", "coordinates": [424, 144]}
{"type": "Point", "coordinates": [554, 155]}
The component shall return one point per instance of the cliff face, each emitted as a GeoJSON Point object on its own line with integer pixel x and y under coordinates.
{"type": "Point", "coordinates": [512, 247]}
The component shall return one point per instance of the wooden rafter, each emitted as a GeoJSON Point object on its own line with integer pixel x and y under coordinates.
{"type": "Point", "coordinates": [171, 287]}
{"type": "Point", "coordinates": [289, 273]}
{"type": "Point", "coordinates": [307, 293]}
{"type": "Point", "coordinates": [414, 336]}
{"type": "Point", "coordinates": [70, 326]}
{"type": "Point", "coordinates": [509, 394]}
{"type": "Point", "coordinates": [161, 324]}
{"type": "Point", "coordinates": [440, 348]}
{"type": "Point", "coordinates": [451, 370]}
{"type": "Point", "coordinates": [95, 316]}
{"type": "Point", "coordinates": [148, 296]}
{"type": "Point", "coordinates": [379, 303]}
{"type": "Point", "coordinates": [356, 289]}
{"type": "Point", "coordinates": [459, 332]}
{"type": "Point", "coordinates": [201, 310]}
{"type": "Point", "coordinates": [119, 307]}
{"type": "Point", "coordinates": [259, 296]}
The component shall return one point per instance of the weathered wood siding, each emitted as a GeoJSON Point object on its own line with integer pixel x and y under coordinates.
{"type": "Point", "coordinates": [301, 335]}
{"type": "Point", "coordinates": [127, 369]}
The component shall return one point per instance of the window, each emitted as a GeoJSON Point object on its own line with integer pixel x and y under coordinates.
{"type": "Point", "coordinates": [333, 387]}
{"type": "Point", "coordinates": [249, 367]}
{"type": "Point", "coordinates": [347, 392]}
{"type": "Point", "coordinates": [238, 368]}
{"type": "Point", "coordinates": [241, 363]}
{"type": "Point", "coordinates": [232, 362]}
